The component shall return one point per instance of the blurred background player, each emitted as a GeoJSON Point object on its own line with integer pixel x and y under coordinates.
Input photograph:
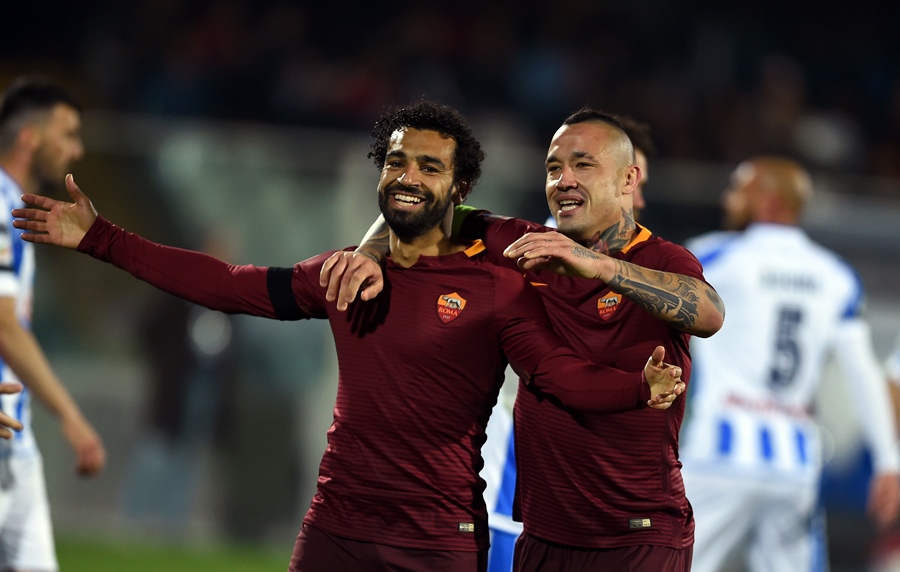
{"type": "Point", "coordinates": [751, 450]}
{"type": "Point", "coordinates": [40, 138]}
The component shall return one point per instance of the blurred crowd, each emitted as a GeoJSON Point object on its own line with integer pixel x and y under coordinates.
{"type": "Point", "coordinates": [715, 83]}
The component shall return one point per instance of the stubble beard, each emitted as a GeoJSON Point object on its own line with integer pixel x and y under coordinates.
{"type": "Point", "coordinates": [49, 173]}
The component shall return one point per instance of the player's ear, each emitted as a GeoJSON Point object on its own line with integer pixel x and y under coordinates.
{"type": "Point", "coordinates": [29, 137]}
{"type": "Point", "coordinates": [462, 191]}
{"type": "Point", "coordinates": [632, 178]}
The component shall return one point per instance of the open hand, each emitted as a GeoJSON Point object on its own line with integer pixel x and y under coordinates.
{"type": "Point", "coordinates": [56, 222]}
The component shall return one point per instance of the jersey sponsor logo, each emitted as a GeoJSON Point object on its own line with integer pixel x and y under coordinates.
{"type": "Point", "coordinates": [608, 304]}
{"type": "Point", "coordinates": [466, 527]}
{"type": "Point", "coordinates": [639, 523]}
{"type": "Point", "coordinates": [450, 306]}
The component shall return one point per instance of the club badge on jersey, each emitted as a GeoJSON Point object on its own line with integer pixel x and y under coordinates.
{"type": "Point", "coordinates": [607, 304]}
{"type": "Point", "coordinates": [450, 306]}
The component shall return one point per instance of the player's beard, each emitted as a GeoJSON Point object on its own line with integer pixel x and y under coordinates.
{"type": "Point", "coordinates": [411, 225]}
{"type": "Point", "coordinates": [49, 171]}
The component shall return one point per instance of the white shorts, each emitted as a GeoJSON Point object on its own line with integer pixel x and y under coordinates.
{"type": "Point", "coordinates": [26, 535]}
{"type": "Point", "coordinates": [768, 525]}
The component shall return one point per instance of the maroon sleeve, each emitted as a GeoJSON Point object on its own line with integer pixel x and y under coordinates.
{"type": "Point", "coordinates": [671, 257]}
{"type": "Point", "coordinates": [538, 356]}
{"type": "Point", "coordinates": [194, 276]}
{"type": "Point", "coordinates": [497, 232]}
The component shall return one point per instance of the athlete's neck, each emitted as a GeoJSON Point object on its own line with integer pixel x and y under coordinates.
{"type": "Point", "coordinates": [18, 167]}
{"type": "Point", "coordinates": [433, 243]}
{"type": "Point", "coordinates": [614, 238]}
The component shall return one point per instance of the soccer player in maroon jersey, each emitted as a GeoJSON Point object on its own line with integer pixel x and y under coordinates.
{"type": "Point", "coordinates": [596, 491]}
{"type": "Point", "coordinates": [420, 366]}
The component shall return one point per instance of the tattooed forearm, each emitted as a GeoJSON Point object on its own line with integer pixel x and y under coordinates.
{"type": "Point", "coordinates": [671, 297]}
{"type": "Point", "coordinates": [582, 252]}
{"type": "Point", "coordinates": [716, 301]}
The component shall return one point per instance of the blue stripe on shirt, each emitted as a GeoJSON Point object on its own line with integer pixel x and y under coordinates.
{"type": "Point", "coordinates": [725, 438]}
{"type": "Point", "coordinates": [507, 492]}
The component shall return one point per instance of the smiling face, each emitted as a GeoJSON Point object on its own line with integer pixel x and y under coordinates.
{"type": "Point", "coordinates": [590, 178]}
{"type": "Point", "coordinates": [417, 186]}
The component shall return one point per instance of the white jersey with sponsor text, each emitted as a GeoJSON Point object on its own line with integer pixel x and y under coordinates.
{"type": "Point", "coordinates": [754, 381]}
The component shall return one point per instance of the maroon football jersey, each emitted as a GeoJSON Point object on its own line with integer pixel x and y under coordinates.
{"type": "Point", "coordinates": [600, 480]}
{"type": "Point", "coordinates": [420, 367]}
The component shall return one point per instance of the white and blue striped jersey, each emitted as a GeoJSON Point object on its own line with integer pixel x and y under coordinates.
{"type": "Point", "coordinates": [789, 303]}
{"type": "Point", "coordinates": [16, 281]}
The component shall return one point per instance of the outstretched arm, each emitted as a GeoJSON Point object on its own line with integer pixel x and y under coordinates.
{"type": "Point", "coordinates": [688, 303]}
{"type": "Point", "coordinates": [193, 276]}
{"type": "Point", "coordinates": [56, 222]}
{"type": "Point", "coordinates": [7, 423]}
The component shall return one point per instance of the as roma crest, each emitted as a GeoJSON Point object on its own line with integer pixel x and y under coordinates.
{"type": "Point", "coordinates": [450, 306]}
{"type": "Point", "coordinates": [608, 304]}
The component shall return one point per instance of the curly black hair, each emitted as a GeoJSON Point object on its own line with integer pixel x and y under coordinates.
{"type": "Point", "coordinates": [438, 117]}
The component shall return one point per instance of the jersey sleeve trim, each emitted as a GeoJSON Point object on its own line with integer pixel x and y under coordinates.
{"type": "Point", "coordinates": [476, 248]}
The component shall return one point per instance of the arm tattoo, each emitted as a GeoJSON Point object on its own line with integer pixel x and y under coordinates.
{"type": "Point", "coordinates": [717, 302]}
{"type": "Point", "coordinates": [378, 242]}
{"type": "Point", "coordinates": [670, 297]}
{"type": "Point", "coordinates": [582, 252]}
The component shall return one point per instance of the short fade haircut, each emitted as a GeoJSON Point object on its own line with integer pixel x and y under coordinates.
{"type": "Point", "coordinates": [639, 133]}
{"type": "Point", "coordinates": [432, 116]}
{"type": "Point", "coordinates": [586, 114]}
{"type": "Point", "coordinates": [29, 95]}
{"type": "Point", "coordinates": [33, 93]}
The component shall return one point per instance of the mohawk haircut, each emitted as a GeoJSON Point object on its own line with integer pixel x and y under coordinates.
{"type": "Point", "coordinates": [586, 114]}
